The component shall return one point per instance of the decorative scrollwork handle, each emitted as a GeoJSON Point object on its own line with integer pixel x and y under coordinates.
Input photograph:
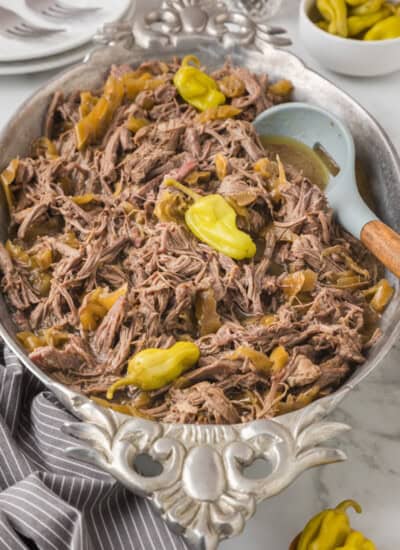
{"type": "Point", "coordinates": [177, 21]}
{"type": "Point", "coordinates": [115, 33]}
{"type": "Point", "coordinates": [202, 486]}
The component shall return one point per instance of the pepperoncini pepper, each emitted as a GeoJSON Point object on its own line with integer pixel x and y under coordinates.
{"type": "Point", "coordinates": [134, 124]}
{"type": "Point", "coordinates": [299, 281]}
{"type": "Point", "coordinates": [7, 176]}
{"type": "Point", "coordinates": [335, 12]}
{"type": "Point", "coordinates": [44, 146]}
{"type": "Point", "coordinates": [130, 409]}
{"type": "Point", "coordinates": [231, 86]}
{"type": "Point", "coordinates": [18, 254]}
{"type": "Point", "coordinates": [267, 320]}
{"type": "Point", "coordinates": [279, 357]}
{"type": "Point", "coordinates": [42, 260]}
{"type": "Point", "coordinates": [368, 6]}
{"type": "Point", "coordinates": [196, 87]}
{"type": "Point", "coordinates": [281, 88]}
{"type": "Point", "coordinates": [196, 177]}
{"type": "Point", "coordinates": [206, 312]}
{"type": "Point", "coordinates": [171, 207]}
{"type": "Point", "coordinates": [261, 361]}
{"type": "Point", "coordinates": [385, 29]}
{"type": "Point", "coordinates": [135, 83]}
{"type": "Point", "coordinates": [221, 166]}
{"type": "Point", "coordinates": [88, 101]}
{"type": "Point", "coordinates": [264, 167]}
{"type": "Point", "coordinates": [218, 113]}
{"type": "Point", "coordinates": [331, 530]}
{"type": "Point", "coordinates": [152, 369]}
{"type": "Point", "coordinates": [37, 264]}
{"type": "Point", "coordinates": [380, 295]}
{"type": "Point", "coordinates": [359, 23]}
{"type": "Point", "coordinates": [274, 363]}
{"type": "Point", "coordinates": [213, 221]}
{"type": "Point", "coordinates": [296, 402]}
{"type": "Point", "coordinates": [322, 24]}
{"type": "Point", "coordinates": [357, 541]}
{"type": "Point", "coordinates": [47, 337]}
{"type": "Point", "coordinates": [96, 305]}
{"type": "Point", "coordinates": [92, 126]}
{"type": "Point", "coordinates": [83, 199]}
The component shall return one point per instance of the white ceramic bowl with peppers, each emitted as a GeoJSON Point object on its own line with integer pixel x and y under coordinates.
{"type": "Point", "coordinates": [349, 56]}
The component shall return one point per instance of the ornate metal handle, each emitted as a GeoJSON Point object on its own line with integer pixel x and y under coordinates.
{"type": "Point", "coordinates": [178, 20]}
{"type": "Point", "coordinates": [202, 486]}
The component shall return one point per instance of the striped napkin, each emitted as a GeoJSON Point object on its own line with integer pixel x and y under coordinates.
{"type": "Point", "coordinates": [50, 502]}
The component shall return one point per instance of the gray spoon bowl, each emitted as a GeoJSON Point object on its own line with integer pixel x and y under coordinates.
{"type": "Point", "coordinates": [312, 125]}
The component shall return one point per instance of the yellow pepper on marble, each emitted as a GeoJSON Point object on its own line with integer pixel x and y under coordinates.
{"type": "Point", "coordinates": [331, 530]}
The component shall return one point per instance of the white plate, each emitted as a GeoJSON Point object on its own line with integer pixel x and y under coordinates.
{"type": "Point", "coordinates": [78, 30]}
{"type": "Point", "coordinates": [46, 63]}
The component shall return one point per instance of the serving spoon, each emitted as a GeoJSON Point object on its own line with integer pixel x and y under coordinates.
{"type": "Point", "coordinates": [312, 125]}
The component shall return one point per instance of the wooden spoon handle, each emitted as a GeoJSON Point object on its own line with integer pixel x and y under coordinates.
{"type": "Point", "coordinates": [384, 243]}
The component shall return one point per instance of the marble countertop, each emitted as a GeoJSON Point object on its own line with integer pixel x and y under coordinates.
{"type": "Point", "coordinates": [371, 474]}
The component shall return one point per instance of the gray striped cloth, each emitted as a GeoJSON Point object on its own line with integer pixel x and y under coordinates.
{"type": "Point", "coordinates": [50, 502]}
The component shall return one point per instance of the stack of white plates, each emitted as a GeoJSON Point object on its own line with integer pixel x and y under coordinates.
{"type": "Point", "coordinates": [35, 54]}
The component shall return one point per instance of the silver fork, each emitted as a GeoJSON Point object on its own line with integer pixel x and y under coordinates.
{"type": "Point", "coordinates": [14, 25]}
{"type": "Point", "coordinates": [58, 9]}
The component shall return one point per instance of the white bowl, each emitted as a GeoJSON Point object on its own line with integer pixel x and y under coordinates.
{"type": "Point", "coordinates": [346, 55]}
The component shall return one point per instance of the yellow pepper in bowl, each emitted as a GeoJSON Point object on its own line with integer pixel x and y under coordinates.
{"type": "Point", "coordinates": [359, 19]}
{"type": "Point", "coordinates": [384, 30]}
{"type": "Point", "coordinates": [360, 23]}
{"type": "Point", "coordinates": [368, 6]}
{"type": "Point", "coordinates": [335, 13]}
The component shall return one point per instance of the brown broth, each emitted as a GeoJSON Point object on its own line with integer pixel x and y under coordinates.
{"type": "Point", "coordinates": [315, 164]}
{"type": "Point", "coordinates": [298, 155]}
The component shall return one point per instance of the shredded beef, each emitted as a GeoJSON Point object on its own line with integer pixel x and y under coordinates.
{"type": "Point", "coordinates": [115, 240]}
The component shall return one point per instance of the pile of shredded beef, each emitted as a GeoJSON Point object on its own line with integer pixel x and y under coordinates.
{"type": "Point", "coordinates": [326, 333]}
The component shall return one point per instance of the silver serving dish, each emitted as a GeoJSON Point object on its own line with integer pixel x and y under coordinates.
{"type": "Point", "coordinates": [201, 487]}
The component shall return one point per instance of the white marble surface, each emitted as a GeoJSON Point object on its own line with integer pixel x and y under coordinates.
{"type": "Point", "coordinates": [372, 472]}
